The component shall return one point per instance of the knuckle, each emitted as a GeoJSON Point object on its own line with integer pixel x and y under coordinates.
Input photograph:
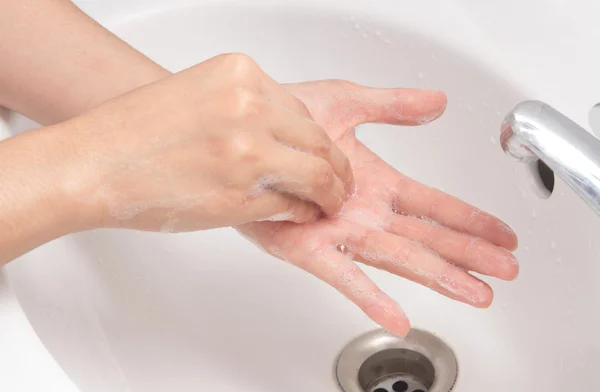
{"type": "Point", "coordinates": [243, 147]}
{"type": "Point", "coordinates": [240, 66]}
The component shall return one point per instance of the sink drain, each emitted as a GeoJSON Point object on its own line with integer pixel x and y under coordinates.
{"type": "Point", "coordinates": [378, 361]}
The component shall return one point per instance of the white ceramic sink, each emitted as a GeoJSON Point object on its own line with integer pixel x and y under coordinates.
{"type": "Point", "coordinates": [139, 312]}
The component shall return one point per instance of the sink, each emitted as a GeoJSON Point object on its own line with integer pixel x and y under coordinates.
{"type": "Point", "coordinates": [125, 311]}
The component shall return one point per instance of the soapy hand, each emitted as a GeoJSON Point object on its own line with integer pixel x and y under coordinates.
{"type": "Point", "coordinates": [219, 144]}
{"type": "Point", "coordinates": [392, 222]}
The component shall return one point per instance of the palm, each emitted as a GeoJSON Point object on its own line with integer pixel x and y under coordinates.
{"type": "Point", "coordinates": [392, 219]}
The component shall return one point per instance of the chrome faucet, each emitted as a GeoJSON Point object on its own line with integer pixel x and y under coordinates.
{"type": "Point", "coordinates": [533, 130]}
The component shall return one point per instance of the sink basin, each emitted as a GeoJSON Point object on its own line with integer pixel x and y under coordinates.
{"type": "Point", "coordinates": [124, 311]}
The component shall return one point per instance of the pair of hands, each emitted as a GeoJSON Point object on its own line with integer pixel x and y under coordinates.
{"type": "Point", "coordinates": [222, 144]}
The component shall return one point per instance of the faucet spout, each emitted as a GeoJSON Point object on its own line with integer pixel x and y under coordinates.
{"type": "Point", "coordinates": [533, 130]}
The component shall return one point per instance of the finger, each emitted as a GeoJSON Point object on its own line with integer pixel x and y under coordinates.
{"type": "Point", "coordinates": [277, 94]}
{"type": "Point", "coordinates": [408, 259]}
{"type": "Point", "coordinates": [467, 251]}
{"type": "Point", "coordinates": [337, 270]}
{"type": "Point", "coordinates": [274, 206]}
{"type": "Point", "coordinates": [308, 177]}
{"type": "Point", "coordinates": [307, 136]}
{"type": "Point", "coordinates": [355, 104]}
{"type": "Point", "coordinates": [420, 200]}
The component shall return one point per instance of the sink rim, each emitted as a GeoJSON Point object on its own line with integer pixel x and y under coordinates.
{"type": "Point", "coordinates": [334, 5]}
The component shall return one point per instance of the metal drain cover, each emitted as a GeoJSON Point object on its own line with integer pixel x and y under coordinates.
{"type": "Point", "coordinates": [378, 361]}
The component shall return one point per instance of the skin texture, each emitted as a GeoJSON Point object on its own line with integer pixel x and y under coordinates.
{"type": "Point", "coordinates": [219, 144]}
{"type": "Point", "coordinates": [215, 145]}
{"type": "Point", "coordinates": [56, 62]}
{"type": "Point", "coordinates": [391, 222]}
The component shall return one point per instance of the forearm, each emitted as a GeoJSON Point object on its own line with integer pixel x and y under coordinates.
{"type": "Point", "coordinates": [56, 62]}
{"type": "Point", "coordinates": [39, 185]}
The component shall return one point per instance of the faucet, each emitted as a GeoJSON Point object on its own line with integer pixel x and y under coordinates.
{"type": "Point", "coordinates": [533, 130]}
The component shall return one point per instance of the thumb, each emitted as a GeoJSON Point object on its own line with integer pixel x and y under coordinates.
{"type": "Point", "coordinates": [353, 104]}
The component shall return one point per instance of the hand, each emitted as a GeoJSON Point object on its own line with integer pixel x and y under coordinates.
{"type": "Point", "coordinates": [392, 222]}
{"type": "Point", "coordinates": [219, 144]}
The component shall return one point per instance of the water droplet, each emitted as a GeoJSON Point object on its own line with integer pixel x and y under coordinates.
{"type": "Point", "coordinates": [559, 260]}
{"type": "Point", "coordinates": [493, 140]}
{"type": "Point", "coordinates": [433, 56]}
{"type": "Point", "coordinates": [498, 113]}
{"type": "Point", "coordinates": [421, 75]}
{"type": "Point", "coordinates": [590, 244]}
{"type": "Point", "coordinates": [387, 40]}
{"type": "Point", "coordinates": [553, 245]}
{"type": "Point", "coordinates": [486, 104]}
{"type": "Point", "coordinates": [437, 139]}
{"type": "Point", "coordinates": [365, 34]}
{"type": "Point", "coordinates": [378, 33]}
{"type": "Point", "coordinates": [356, 26]}
{"type": "Point", "coordinates": [469, 108]}
{"type": "Point", "coordinates": [533, 214]}
{"type": "Point", "coordinates": [526, 248]}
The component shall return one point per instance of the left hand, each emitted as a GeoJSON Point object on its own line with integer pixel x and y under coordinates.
{"type": "Point", "coordinates": [393, 222]}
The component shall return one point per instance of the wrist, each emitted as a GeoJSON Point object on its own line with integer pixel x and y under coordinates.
{"type": "Point", "coordinates": [45, 182]}
{"type": "Point", "coordinates": [40, 196]}
{"type": "Point", "coordinates": [74, 175]}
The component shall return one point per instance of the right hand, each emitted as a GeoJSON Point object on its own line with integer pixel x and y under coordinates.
{"type": "Point", "coordinates": [219, 144]}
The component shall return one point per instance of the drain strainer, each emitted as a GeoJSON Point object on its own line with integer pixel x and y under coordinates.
{"type": "Point", "coordinates": [378, 361]}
